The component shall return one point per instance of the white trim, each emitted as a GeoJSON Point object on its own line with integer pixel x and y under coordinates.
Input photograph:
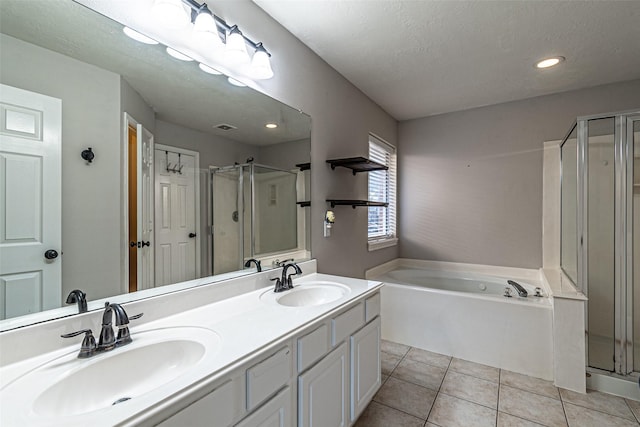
{"type": "Point", "coordinates": [374, 245]}
{"type": "Point", "coordinates": [128, 120]}
{"type": "Point", "coordinates": [196, 178]}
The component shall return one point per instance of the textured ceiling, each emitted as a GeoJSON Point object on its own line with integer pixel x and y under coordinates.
{"type": "Point", "coordinates": [420, 58]}
{"type": "Point", "coordinates": [177, 91]}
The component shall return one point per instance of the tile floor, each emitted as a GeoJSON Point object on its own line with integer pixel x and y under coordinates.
{"type": "Point", "coordinates": [425, 389]}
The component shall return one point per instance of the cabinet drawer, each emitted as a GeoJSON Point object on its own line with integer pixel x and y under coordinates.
{"type": "Point", "coordinates": [344, 324]}
{"type": "Point", "coordinates": [371, 307]}
{"type": "Point", "coordinates": [312, 347]}
{"type": "Point", "coordinates": [222, 404]}
{"type": "Point", "coordinates": [266, 377]}
{"type": "Point", "coordinates": [275, 413]}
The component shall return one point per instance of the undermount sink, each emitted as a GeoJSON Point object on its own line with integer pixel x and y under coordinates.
{"type": "Point", "coordinates": [307, 294]}
{"type": "Point", "coordinates": [67, 386]}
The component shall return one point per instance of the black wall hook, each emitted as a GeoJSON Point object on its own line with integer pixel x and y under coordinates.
{"type": "Point", "coordinates": [88, 155]}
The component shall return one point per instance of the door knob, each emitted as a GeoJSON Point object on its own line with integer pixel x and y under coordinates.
{"type": "Point", "coordinates": [192, 235]}
{"type": "Point", "coordinates": [51, 254]}
{"type": "Point", "coordinates": [147, 243]}
{"type": "Point", "coordinates": [133, 244]}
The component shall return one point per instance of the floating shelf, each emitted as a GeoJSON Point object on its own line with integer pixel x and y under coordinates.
{"type": "Point", "coordinates": [304, 166]}
{"type": "Point", "coordinates": [355, 203]}
{"type": "Point", "coordinates": [357, 164]}
{"type": "Point", "coordinates": [304, 204]}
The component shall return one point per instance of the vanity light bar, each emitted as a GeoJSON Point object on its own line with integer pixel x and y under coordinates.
{"type": "Point", "coordinates": [261, 68]}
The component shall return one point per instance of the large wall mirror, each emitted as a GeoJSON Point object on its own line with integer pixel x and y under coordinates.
{"type": "Point", "coordinates": [125, 170]}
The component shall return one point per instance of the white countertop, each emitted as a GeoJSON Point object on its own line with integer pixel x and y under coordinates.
{"type": "Point", "coordinates": [245, 323]}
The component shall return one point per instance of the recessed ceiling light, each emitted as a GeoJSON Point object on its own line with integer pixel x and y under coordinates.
{"type": "Point", "coordinates": [271, 125]}
{"type": "Point", "coordinates": [178, 55]}
{"type": "Point", "coordinates": [138, 37]}
{"type": "Point", "coordinates": [550, 62]}
{"type": "Point", "coordinates": [208, 69]}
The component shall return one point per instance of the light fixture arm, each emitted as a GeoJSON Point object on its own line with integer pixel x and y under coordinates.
{"type": "Point", "coordinates": [222, 24]}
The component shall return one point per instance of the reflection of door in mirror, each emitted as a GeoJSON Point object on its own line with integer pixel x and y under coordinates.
{"type": "Point", "coordinates": [177, 207]}
{"type": "Point", "coordinates": [139, 159]}
{"type": "Point", "coordinates": [30, 209]}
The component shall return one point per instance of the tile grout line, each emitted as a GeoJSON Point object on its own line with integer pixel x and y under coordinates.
{"type": "Point", "coordinates": [637, 417]}
{"type": "Point", "coordinates": [438, 391]}
{"type": "Point", "coordinates": [498, 402]}
{"type": "Point", "coordinates": [598, 410]}
{"type": "Point", "coordinates": [564, 410]}
{"type": "Point", "coordinates": [396, 409]}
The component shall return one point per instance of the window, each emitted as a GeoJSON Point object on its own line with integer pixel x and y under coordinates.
{"type": "Point", "coordinates": [382, 188]}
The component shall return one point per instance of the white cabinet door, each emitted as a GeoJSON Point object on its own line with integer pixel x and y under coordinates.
{"type": "Point", "coordinates": [365, 366]}
{"type": "Point", "coordinates": [30, 194]}
{"type": "Point", "coordinates": [322, 392]}
{"type": "Point", "coordinates": [275, 413]}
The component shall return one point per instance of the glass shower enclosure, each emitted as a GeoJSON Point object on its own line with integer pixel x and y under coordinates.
{"type": "Point", "coordinates": [600, 235]}
{"type": "Point", "coordinates": [254, 213]}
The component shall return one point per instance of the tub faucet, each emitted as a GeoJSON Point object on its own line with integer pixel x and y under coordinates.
{"type": "Point", "coordinates": [519, 288]}
{"type": "Point", "coordinates": [256, 262]}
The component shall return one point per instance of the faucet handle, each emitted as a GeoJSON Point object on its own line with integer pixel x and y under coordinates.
{"type": "Point", "coordinates": [88, 346]}
{"type": "Point", "coordinates": [124, 336]}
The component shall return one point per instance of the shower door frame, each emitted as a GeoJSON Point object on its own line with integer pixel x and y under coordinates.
{"type": "Point", "coordinates": [628, 128]}
{"type": "Point", "coordinates": [623, 235]}
{"type": "Point", "coordinates": [240, 206]}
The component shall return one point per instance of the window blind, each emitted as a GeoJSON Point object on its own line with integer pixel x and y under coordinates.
{"type": "Point", "coordinates": [382, 188]}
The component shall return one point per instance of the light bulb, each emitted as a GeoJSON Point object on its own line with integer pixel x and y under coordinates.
{"type": "Point", "coordinates": [209, 70]}
{"type": "Point", "coordinates": [172, 14]}
{"type": "Point", "coordinates": [235, 82]}
{"type": "Point", "coordinates": [178, 55]}
{"type": "Point", "coordinates": [236, 49]}
{"type": "Point", "coordinates": [204, 29]}
{"type": "Point", "coordinates": [260, 64]}
{"type": "Point", "coordinates": [138, 37]}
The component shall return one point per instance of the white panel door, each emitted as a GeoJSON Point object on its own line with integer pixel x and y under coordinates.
{"type": "Point", "coordinates": [322, 390]}
{"type": "Point", "coordinates": [175, 213]}
{"type": "Point", "coordinates": [30, 207]}
{"type": "Point", "coordinates": [145, 208]}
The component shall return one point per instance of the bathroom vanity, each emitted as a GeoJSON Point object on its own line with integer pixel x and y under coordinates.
{"type": "Point", "coordinates": [309, 356]}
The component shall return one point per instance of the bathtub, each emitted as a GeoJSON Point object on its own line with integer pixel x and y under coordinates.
{"type": "Point", "coordinates": [461, 312]}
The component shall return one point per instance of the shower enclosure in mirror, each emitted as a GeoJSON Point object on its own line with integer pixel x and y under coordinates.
{"type": "Point", "coordinates": [255, 215]}
{"type": "Point", "coordinates": [140, 215]}
{"type": "Point", "coordinates": [600, 236]}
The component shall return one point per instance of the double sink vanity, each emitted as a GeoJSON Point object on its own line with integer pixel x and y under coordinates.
{"type": "Point", "coordinates": [222, 354]}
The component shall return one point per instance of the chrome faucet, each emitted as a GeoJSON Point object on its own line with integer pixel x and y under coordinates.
{"type": "Point", "coordinates": [284, 282]}
{"type": "Point", "coordinates": [256, 262]}
{"type": "Point", "coordinates": [108, 340]}
{"type": "Point", "coordinates": [519, 288]}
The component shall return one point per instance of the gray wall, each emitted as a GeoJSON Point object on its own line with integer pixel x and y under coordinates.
{"type": "Point", "coordinates": [470, 182]}
{"type": "Point", "coordinates": [342, 117]}
{"type": "Point", "coordinates": [90, 193]}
